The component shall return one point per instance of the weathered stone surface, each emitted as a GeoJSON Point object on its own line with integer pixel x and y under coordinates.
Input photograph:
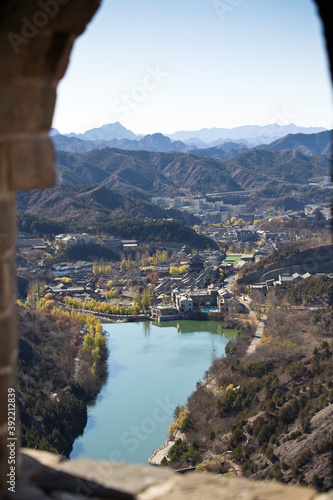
{"type": "Point", "coordinates": [45, 56]}
{"type": "Point", "coordinates": [7, 379]}
{"type": "Point", "coordinates": [7, 224]}
{"type": "Point", "coordinates": [7, 283]}
{"type": "Point", "coordinates": [31, 163]}
{"type": "Point", "coordinates": [32, 463]}
{"type": "Point", "coordinates": [8, 341]}
{"type": "Point", "coordinates": [321, 428]}
{"type": "Point", "coordinates": [4, 187]}
{"type": "Point", "coordinates": [130, 478]}
{"type": "Point", "coordinates": [45, 475]}
{"type": "Point", "coordinates": [65, 495]}
{"type": "Point", "coordinates": [27, 18]}
{"type": "Point", "coordinates": [37, 112]}
{"type": "Point", "coordinates": [58, 55]}
{"type": "Point", "coordinates": [36, 38]}
{"type": "Point", "coordinates": [196, 486]}
{"type": "Point", "coordinates": [26, 491]}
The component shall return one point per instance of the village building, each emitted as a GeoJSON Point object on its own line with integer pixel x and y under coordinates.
{"type": "Point", "coordinates": [163, 312]}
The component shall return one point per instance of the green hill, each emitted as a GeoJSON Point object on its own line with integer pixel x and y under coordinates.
{"type": "Point", "coordinates": [85, 205]}
{"type": "Point", "coordinates": [151, 172]}
{"type": "Point", "coordinates": [257, 167]}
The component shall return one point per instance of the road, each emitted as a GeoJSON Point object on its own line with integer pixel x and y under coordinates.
{"type": "Point", "coordinates": [245, 300]}
{"type": "Point", "coordinates": [255, 342]}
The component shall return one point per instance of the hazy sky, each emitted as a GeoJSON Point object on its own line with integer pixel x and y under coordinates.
{"type": "Point", "coordinates": [168, 65]}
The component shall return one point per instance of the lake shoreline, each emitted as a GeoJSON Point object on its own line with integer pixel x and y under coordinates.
{"type": "Point", "coordinates": [177, 354]}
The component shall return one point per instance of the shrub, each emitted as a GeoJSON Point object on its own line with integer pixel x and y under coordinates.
{"type": "Point", "coordinates": [270, 454]}
{"type": "Point", "coordinates": [266, 432]}
{"type": "Point", "coordinates": [255, 370]}
{"type": "Point", "coordinates": [230, 348]}
{"type": "Point", "coordinates": [287, 414]}
{"type": "Point", "coordinates": [178, 449]}
{"type": "Point", "coordinates": [303, 458]}
{"type": "Point", "coordinates": [186, 425]}
{"type": "Point", "coordinates": [238, 454]}
{"type": "Point", "coordinates": [211, 434]}
{"type": "Point", "coordinates": [296, 369]}
{"type": "Point", "coordinates": [249, 468]}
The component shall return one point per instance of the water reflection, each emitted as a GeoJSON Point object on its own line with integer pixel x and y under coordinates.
{"type": "Point", "coordinates": [147, 328]}
{"type": "Point", "coordinates": [152, 368]}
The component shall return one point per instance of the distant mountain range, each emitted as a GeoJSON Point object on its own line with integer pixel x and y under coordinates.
{"type": "Point", "coordinates": [110, 173]}
{"type": "Point", "coordinates": [248, 135]}
{"type": "Point", "coordinates": [252, 134]}
{"type": "Point", "coordinates": [308, 144]}
{"type": "Point", "coordinates": [104, 183]}
{"type": "Point", "coordinates": [154, 142]}
{"type": "Point", "coordinates": [145, 172]}
{"type": "Point", "coordinates": [106, 132]}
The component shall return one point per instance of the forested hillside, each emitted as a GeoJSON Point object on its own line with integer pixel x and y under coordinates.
{"type": "Point", "coordinates": [58, 371]}
{"type": "Point", "coordinates": [268, 415]}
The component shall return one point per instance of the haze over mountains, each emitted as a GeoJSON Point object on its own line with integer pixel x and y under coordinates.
{"type": "Point", "coordinates": [115, 135]}
{"type": "Point", "coordinates": [308, 144]}
{"type": "Point", "coordinates": [254, 134]}
{"type": "Point", "coordinates": [107, 182]}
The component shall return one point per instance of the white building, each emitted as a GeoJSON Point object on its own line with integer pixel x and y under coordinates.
{"type": "Point", "coordinates": [184, 304]}
{"type": "Point", "coordinates": [75, 239]}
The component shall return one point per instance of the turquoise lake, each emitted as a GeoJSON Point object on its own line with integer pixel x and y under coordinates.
{"type": "Point", "coordinates": [152, 368]}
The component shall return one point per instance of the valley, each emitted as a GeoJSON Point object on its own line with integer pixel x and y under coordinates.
{"type": "Point", "coordinates": [229, 235]}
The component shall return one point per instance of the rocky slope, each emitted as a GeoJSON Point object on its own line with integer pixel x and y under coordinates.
{"type": "Point", "coordinates": [269, 414]}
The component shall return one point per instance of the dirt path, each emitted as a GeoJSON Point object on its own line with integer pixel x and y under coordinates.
{"type": "Point", "coordinates": [255, 342]}
{"type": "Point", "coordinates": [158, 455]}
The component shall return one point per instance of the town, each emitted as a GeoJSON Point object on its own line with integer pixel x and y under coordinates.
{"type": "Point", "coordinates": [177, 281]}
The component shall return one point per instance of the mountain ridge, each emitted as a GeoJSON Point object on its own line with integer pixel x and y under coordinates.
{"type": "Point", "coordinates": [209, 137]}
{"type": "Point", "coordinates": [257, 133]}
{"type": "Point", "coordinates": [308, 144]}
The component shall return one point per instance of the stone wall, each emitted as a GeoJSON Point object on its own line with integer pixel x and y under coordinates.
{"type": "Point", "coordinates": [36, 39]}
{"type": "Point", "coordinates": [45, 476]}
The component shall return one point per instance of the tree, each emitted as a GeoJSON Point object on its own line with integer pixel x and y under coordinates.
{"type": "Point", "coordinates": [47, 259]}
{"type": "Point", "coordinates": [178, 449]}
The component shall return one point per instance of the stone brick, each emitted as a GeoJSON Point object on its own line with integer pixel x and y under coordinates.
{"type": "Point", "coordinates": [6, 380]}
{"type": "Point", "coordinates": [45, 56]}
{"type": "Point", "coordinates": [31, 164]}
{"type": "Point", "coordinates": [11, 65]}
{"type": "Point", "coordinates": [7, 284]}
{"type": "Point", "coordinates": [3, 456]}
{"type": "Point", "coordinates": [198, 486]}
{"type": "Point", "coordinates": [34, 54]}
{"type": "Point", "coordinates": [24, 18]}
{"type": "Point", "coordinates": [7, 223]}
{"type": "Point", "coordinates": [26, 492]}
{"type": "Point", "coordinates": [44, 474]}
{"type": "Point", "coordinates": [4, 194]}
{"type": "Point", "coordinates": [8, 341]}
{"type": "Point", "coordinates": [31, 463]}
{"type": "Point", "coordinates": [83, 476]}
{"type": "Point", "coordinates": [59, 50]}
{"type": "Point", "coordinates": [26, 106]}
